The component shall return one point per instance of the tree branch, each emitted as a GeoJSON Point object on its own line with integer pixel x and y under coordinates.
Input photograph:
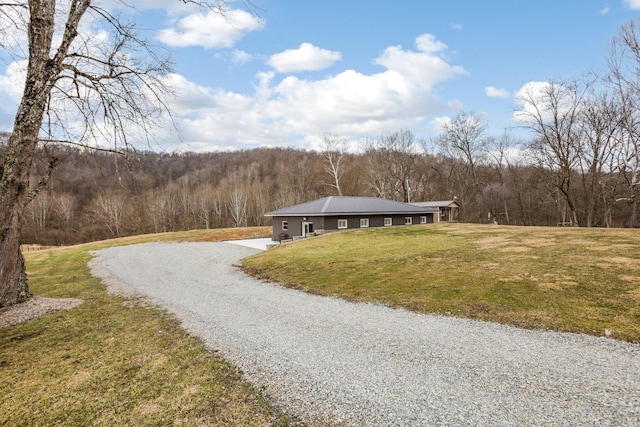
{"type": "Point", "coordinates": [53, 162]}
{"type": "Point", "coordinates": [77, 144]}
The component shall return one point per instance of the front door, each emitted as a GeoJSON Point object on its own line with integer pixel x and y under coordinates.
{"type": "Point", "coordinates": [307, 228]}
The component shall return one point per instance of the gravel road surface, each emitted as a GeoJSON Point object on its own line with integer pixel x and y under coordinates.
{"type": "Point", "coordinates": [332, 362]}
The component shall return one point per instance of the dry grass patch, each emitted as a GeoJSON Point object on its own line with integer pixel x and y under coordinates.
{"type": "Point", "coordinates": [549, 286]}
{"type": "Point", "coordinates": [513, 249]}
{"type": "Point", "coordinates": [634, 294]}
{"type": "Point", "coordinates": [618, 247]}
{"type": "Point", "coordinates": [539, 242]}
{"type": "Point", "coordinates": [532, 277]}
{"type": "Point", "coordinates": [621, 260]}
{"type": "Point", "coordinates": [489, 243]}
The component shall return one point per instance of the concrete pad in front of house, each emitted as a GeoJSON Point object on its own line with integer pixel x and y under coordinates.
{"type": "Point", "coordinates": [260, 244]}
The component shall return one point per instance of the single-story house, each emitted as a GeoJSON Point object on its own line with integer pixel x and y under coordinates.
{"type": "Point", "coordinates": [448, 209]}
{"type": "Point", "coordinates": [341, 213]}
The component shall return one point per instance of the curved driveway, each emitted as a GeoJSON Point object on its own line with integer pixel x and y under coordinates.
{"type": "Point", "coordinates": [332, 362]}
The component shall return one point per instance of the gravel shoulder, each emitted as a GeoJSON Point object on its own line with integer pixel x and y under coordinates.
{"type": "Point", "coordinates": [35, 308]}
{"type": "Point", "coordinates": [333, 362]}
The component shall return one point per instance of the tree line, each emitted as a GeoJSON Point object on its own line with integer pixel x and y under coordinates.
{"type": "Point", "coordinates": [95, 195]}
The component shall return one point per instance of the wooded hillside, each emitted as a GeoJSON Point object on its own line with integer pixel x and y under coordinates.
{"type": "Point", "coordinates": [96, 195]}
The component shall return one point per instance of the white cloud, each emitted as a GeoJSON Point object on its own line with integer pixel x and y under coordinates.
{"type": "Point", "coordinates": [605, 10]}
{"type": "Point", "coordinates": [457, 26]}
{"type": "Point", "coordinates": [11, 85]}
{"type": "Point", "coordinates": [494, 92]}
{"type": "Point", "coordinates": [543, 100]}
{"type": "Point", "coordinates": [211, 30]}
{"type": "Point", "coordinates": [240, 57]}
{"type": "Point", "coordinates": [429, 44]}
{"type": "Point", "coordinates": [292, 111]}
{"type": "Point", "coordinates": [423, 68]}
{"type": "Point", "coordinates": [439, 123]}
{"type": "Point", "coordinates": [529, 94]}
{"type": "Point", "coordinates": [192, 98]}
{"type": "Point", "coordinates": [633, 4]}
{"type": "Point", "coordinates": [306, 58]}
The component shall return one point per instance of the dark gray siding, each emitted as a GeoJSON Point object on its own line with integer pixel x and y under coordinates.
{"type": "Point", "coordinates": [294, 226]}
{"type": "Point", "coordinates": [327, 223]}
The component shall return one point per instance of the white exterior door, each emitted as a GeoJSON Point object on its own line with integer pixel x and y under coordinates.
{"type": "Point", "coordinates": [307, 228]}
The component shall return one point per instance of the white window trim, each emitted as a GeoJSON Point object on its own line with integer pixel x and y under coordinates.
{"type": "Point", "coordinates": [285, 225]}
{"type": "Point", "coordinates": [389, 222]}
{"type": "Point", "coordinates": [408, 220]}
{"type": "Point", "coordinates": [346, 224]}
{"type": "Point", "coordinates": [364, 221]}
{"type": "Point", "coordinates": [423, 220]}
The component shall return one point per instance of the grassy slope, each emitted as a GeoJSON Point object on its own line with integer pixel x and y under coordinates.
{"type": "Point", "coordinates": [569, 279]}
{"type": "Point", "coordinates": [111, 362]}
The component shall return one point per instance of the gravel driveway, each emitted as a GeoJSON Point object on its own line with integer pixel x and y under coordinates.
{"type": "Point", "coordinates": [332, 362]}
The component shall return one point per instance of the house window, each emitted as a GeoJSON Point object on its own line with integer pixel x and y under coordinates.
{"type": "Point", "coordinates": [423, 220]}
{"type": "Point", "coordinates": [285, 225]}
{"type": "Point", "coordinates": [408, 220]}
{"type": "Point", "coordinates": [388, 221]}
{"type": "Point", "coordinates": [364, 222]}
{"type": "Point", "coordinates": [342, 223]}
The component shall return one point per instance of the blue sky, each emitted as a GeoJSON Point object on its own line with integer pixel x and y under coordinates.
{"type": "Point", "coordinates": [290, 71]}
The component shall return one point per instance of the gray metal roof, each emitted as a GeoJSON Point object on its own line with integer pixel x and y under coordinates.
{"type": "Point", "coordinates": [437, 204]}
{"type": "Point", "coordinates": [343, 205]}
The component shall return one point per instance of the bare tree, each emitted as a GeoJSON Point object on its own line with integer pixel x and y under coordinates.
{"type": "Point", "coordinates": [464, 140]}
{"type": "Point", "coordinates": [629, 171]}
{"type": "Point", "coordinates": [112, 87]}
{"type": "Point", "coordinates": [612, 183]}
{"type": "Point", "coordinates": [108, 209]}
{"type": "Point", "coordinates": [297, 181]}
{"type": "Point", "coordinates": [392, 164]}
{"type": "Point", "coordinates": [505, 154]}
{"type": "Point", "coordinates": [202, 205]}
{"type": "Point", "coordinates": [218, 208]}
{"type": "Point", "coordinates": [333, 151]}
{"type": "Point", "coordinates": [624, 66]}
{"type": "Point", "coordinates": [238, 207]}
{"type": "Point", "coordinates": [64, 207]}
{"type": "Point", "coordinates": [464, 136]}
{"type": "Point", "coordinates": [260, 203]}
{"type": "Point", "coordinates": [552, 113]}
{"type": "Point", "coordinates": [39, 213]}
{"type": "Point", "coordinates": [602, 129]}
{"type": "Point", "coordinates": [492, 200]}
{"type": "Point", "coordinates": [381, 183]}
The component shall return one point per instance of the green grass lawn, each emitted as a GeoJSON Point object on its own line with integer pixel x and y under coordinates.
{"type": "Point", "coordinates": [568, 279]}
{"type": "Point", "coordinates": [111, 361]}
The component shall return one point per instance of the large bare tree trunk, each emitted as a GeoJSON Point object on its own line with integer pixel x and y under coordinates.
{"type": "Point", "coordinates": [14, 182]}
{"type": "Point", "coordinates": [14, 288]}
{"type": "Point", "coordinates": [14, 188]}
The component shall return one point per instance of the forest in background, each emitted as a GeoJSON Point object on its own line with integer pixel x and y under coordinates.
{"type": "Point", "coordinates": [95, 195]}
